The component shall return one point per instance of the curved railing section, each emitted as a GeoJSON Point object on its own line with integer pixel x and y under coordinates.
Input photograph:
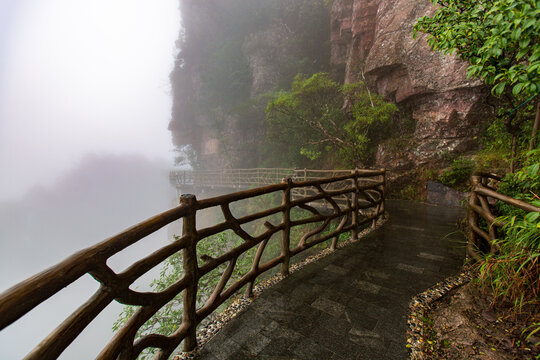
{"type": "Point", "coordinates": [483, 196]}
{"type": "Point", "coordinates": [364, 194]}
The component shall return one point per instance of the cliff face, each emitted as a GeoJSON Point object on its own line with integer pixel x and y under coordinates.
{"type": "Point", "coordinates": [232, 52]}
{"type": "Point", "coordinates": [372, 39]}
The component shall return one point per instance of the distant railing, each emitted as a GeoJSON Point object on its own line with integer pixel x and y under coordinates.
{"type": "Point", "coordinates": [237, 178]}
{"type": "Point", "coordinates": [483, 196]}
{"type": "Point", "coordinates": [365, 194]}
{"type": "Point", "coordinates": [246, 178]}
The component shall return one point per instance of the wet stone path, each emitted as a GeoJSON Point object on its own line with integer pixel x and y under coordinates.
{"type": "Point", "coordinates": [353, 303]}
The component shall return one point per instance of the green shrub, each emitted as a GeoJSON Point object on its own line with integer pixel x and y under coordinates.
{"type": "Point", "coordinates": [523, 185]}
{"type": "Point", "coordinates": [513, 272]}
{"type": "Point", "coordinates": [458, 173]}
{"type": "Point", "coordinates": [408, 193]}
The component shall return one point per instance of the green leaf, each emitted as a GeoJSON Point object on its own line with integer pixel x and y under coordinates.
{"type": "Point", "coordinates": [498, 89]}
{"type": "Point", "coordinates": [531, 68]}
{"type": "Point", "coordinates": [523, 43]}
{"type": "Point", "coordinates": [531, 217]}
{"type": "Point", "coordinates": [533, 169]}
{"type": "Point", "coordinates": [517, 89]}
{"type": "Point", "coordinates": [522, 53]}
{"type": "Point", "coordinates": [528, 23]}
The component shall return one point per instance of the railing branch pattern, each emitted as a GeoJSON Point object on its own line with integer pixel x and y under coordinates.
{"type": "Point", "coordinates": [350, 200]}
{"type": "Point", "coordinates": [483, 196]}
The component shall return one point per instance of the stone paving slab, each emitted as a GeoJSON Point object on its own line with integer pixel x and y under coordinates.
{"type": "Point", "coordinates": [353, 303]}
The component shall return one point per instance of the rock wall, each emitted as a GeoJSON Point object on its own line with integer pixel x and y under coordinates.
{"type": "Point", "coordinates": [372, 40]}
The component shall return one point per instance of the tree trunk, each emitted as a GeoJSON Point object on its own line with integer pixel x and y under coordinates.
{"type": "Point", "coordinates": [513, 153]}
{"type": "Point", "coordinates": [535, 126]}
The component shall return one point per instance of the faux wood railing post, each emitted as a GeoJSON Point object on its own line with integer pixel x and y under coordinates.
{"type": "Point", "coordinates": [305, 179]}
{"type": "Point", "coordinates": [189, 262]}
{"type": "Point", "coordinates": [374, 221]}
{"type": "Point", "coordinates": [354, 220]}
{"type": "Point", "coordinates": [286, 235]}
{"type": "Point", "coordinates": [379, 210]}
{"type": "Point", "coordinates": [335, 239]}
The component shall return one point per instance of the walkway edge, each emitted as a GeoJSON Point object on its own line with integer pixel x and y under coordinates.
{"type": "Point", "coordinates": [422, 303]}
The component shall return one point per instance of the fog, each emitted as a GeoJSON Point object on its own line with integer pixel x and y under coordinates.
{"type": "Point", "coordinates": [97, 199]}
{"type": "Point", "coordinates": [82, 77]}
{"type": "Point", "coordinates": [84, 146]}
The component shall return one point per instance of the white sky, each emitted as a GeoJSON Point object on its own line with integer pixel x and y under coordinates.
{"type": "Point", "coordinates": [79, 77]}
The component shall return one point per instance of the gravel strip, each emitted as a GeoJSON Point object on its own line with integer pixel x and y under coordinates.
{"type": "Point", "coordinates": [422, 303]}
{"type": "Point", "coordinates": [216, 322]}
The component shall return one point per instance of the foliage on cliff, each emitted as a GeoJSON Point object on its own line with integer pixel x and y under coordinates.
{"type": "Point", "coordinates": [318, 117]}
{"type": "Point", "coordinates": [499, 39]}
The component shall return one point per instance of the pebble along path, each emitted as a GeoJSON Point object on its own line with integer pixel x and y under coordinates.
{"type": "Point", "coordinates": [353, 303]}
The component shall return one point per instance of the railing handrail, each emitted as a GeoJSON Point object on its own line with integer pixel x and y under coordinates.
{"type": "Point", "coordinates": [362, 190]}
{"type": "Point", "coordinates": [479, 206]}
{"type": "Point", "coordinates": [252, 176]}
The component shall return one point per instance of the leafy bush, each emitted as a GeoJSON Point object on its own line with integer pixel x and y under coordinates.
{"type": "Point", "coordinates": [408, 193]}
{"type": "Point", "coordinates": [523, 185]}
{"type": "Point", "coordinates": [458, 173]}
{"type": "Point", "coordinates": [513, 272]}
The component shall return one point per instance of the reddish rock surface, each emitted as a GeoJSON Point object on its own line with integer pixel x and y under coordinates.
{"type": "Point", "coordinates": [374, 37]}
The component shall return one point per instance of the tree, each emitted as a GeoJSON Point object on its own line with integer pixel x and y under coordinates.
{"type": "Point", "coordinates": [499, 38]}
{"type": "Point", "coordinates": [318, 116]}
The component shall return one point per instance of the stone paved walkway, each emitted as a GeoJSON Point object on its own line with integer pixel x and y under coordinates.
{"type": "Point", "coordinates": [353, 303]}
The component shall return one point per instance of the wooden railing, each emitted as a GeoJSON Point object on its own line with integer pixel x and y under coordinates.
{"type": "Point", "coordinates": [481, 201]}
{"type": "Point", "coordinates": [237, 178]}
{"type": "Point", "coordinates": [365, 192]}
